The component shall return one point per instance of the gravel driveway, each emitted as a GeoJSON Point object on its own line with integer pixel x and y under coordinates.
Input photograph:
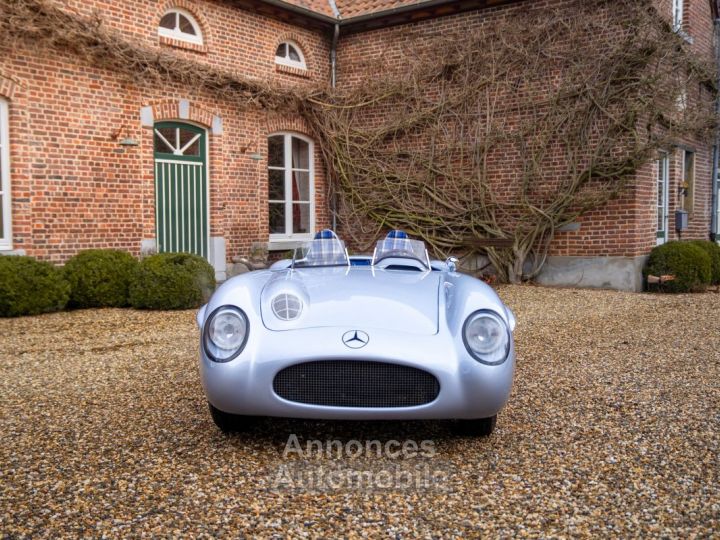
{"type": "Point", "coordinates": [613, 429]}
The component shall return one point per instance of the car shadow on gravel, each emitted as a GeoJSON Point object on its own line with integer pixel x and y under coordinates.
{"type": "Point", "coordinates": [277, 431]}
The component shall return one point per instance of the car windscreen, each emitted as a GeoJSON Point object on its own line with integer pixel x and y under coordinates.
{"type": "Point", "coordinates": [321, 252]}
{"type": "Point", "coordinates": [402, 248]}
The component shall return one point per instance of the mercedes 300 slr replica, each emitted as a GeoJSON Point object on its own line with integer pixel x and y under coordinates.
{"type": "Point", "coordinates": [394, 335]}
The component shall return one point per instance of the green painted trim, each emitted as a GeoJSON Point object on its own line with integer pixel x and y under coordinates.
{"type": "Point", "coordinates": [181, 205]}
{"type": "Point", "coordinates": [188, 127]}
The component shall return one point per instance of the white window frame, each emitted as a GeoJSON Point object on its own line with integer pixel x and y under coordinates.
{"type": "Point", "coordinates": [717, 206]}
{"type": "Point", "coordinates": [663, 177]}
{"type": "Point", "coordinates": [677, 15]}
{"type": "Point", "coordinates": [6, 238]}
{"type": "Point", "coordinates": [288, 202]}
{"type": "Point", "coordinates": [286, 61]}
{"type": "Point", "coordinates": [197, 39]}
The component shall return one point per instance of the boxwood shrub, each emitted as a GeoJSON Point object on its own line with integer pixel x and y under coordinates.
{"type": "Point", "coordinates": [30, 287]}
{"type": "Point", "coordinates": [690, 265]}
{"type": "Point", "coordinates": [100, 278]}
{"type": "Point", "coordinates": [713, 251]}
{"type": "Point", "coordinates": [172, 281]}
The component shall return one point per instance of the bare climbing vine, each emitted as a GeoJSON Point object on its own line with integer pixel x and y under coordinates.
{"type": "Point", "coordinates": [495, 138]}
{"type": "Point", "coordinates": [488, 141]}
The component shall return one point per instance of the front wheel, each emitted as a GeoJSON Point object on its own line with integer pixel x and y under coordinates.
{"type": "Point", "coordinates": [230, 423]}
{"type": "Point", "coordinates": [477, 427]}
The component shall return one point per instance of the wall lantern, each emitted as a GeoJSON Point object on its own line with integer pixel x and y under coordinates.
{"type": "Point", "coordinates": [256, 156]}
{"type": "Point", "coordinates": [127, 140]}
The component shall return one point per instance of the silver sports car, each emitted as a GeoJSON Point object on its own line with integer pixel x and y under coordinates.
{"type": "Point", "coordinates": [394, 335]}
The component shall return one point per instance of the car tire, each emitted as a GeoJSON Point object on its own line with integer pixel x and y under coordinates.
{"type": "Point", "coordinates": [477, 427]}
{"type": "Point", "coordinates": [230, 423]}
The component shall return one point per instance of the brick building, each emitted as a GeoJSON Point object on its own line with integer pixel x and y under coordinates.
{"type": "Point", "coordinates": [91, 159]}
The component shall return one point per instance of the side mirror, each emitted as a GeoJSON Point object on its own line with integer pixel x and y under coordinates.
{"type": "Point", "coordinates": [451, 263]}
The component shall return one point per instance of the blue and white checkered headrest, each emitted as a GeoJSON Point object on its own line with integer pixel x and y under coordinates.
{"type": "Point", "coordinates": [397, 234]}
{"type": "Point", "coordinates": [396, 241]}
{"type": "Point", "coordinates": [326, 249]}
{"type": "Point", "coordinates": [325, 234]}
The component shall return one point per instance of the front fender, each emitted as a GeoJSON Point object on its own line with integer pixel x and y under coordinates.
{"type": "Point", "coordinates": [200, 316]}
{"type": "Point", "coordinates": [465, 295]}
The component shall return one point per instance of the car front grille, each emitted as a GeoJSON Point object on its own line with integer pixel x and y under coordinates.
{"type": "Point", "coordinates": [356, 383]}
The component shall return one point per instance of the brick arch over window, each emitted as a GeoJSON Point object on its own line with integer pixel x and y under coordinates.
{"type": "Point", "coordinates": [7, 87]}
{"type": "Point", "coordinates": [304, 49]}
{"type": "Point", "coordinates": [183, 110]}
{"type": "Point", "coordinates": [275, 124]}
{"type": "Point", "coordinates": [194, 10]}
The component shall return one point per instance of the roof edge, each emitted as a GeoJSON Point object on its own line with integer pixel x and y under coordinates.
{"type": "Point", "coordinates": [298, 10]}
{"type": "Point", "coordinates": [387, 17]}
{"type": "Point", "coordinates": [397, 15]}
{"type": "Point", "coordinates": [417, 12]}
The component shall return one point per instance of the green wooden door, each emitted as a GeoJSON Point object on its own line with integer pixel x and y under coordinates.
{"type": "Point", "coordinates": [181, 189]}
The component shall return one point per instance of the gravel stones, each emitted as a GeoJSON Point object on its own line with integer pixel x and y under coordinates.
{"type": "Point", "coordinates": [613, 428]}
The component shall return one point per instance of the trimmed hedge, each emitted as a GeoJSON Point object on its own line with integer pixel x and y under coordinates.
{"type": "Point", "coordinates": [713, 251]}
{"type": "Point", "coordinates": [100, 278]}
{"type": "Point", "coordinates": [690, 265]}
{"type": "Point", "coordinates": [172, 281]}
{"type": "Point", "coordinates": [30, 287]}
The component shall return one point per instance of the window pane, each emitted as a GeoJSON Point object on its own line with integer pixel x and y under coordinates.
{"type": "Point", "coordinates": [193, 149]}
{"type": "Point", "coordinates": [2, 218]}
{"type": "Point", "coordinates": [276, 151]}
{"type": "Point", "coordinates": [689, 178]}
{"type": "Point", "coordinates": [160, 145]}
{"type": "Point", "coordinates": [276, 188]}
{"type": "Point", "coordinates": [301, 186]}
{"type": "Point", "coordinates": [281, 50]}
{"type": "Point", "coordinates": [689, 164]}
{"type": "Point", "coordinates": [185, 137]}
{"type": "Point", "coordinates": [168, 21]}
{"type": "Point", "coordinates": [293, 54]}
{"type": "Point", "coordinates": [277, 218]}
{"type": "Point", "coordinates": [186, 26]}
{"type": "Point", "coordinates": [301, 218]}
{"type": "Point", "coordinates": [300, 154]}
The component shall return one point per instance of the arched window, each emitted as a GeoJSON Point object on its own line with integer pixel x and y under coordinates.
{"type": "Point", "coordinates": [289, 54]}
{"type": "Point", "coordinates": [291, 187]}
{"type": "Point", "coordinates": [179, 24]}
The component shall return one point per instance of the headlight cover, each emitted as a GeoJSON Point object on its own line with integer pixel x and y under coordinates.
{"type": "Point", "coordinates": [225, 333]}
{"type": "Point", "coordinates": [486, 337]}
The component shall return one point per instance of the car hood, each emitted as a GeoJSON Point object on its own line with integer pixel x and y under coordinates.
{"type": "Point", "coordinates": [355, 298]}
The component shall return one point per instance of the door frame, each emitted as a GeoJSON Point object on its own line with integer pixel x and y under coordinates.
{"type": "Point", "coordinates": [663, 163]}
{"type": "Point", "coordinates": [205, 136]}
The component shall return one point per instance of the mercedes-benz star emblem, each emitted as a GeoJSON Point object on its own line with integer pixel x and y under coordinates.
{"type": "Point", "coordinates": [355, 339]}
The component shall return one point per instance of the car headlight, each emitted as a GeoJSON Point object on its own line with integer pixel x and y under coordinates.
{"type": "Point", "coordinates": [225, 334]}
{"type": "Point", "coordinates": [487, 337]}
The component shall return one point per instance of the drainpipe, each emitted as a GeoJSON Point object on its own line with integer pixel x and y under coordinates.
{"type": "Point", "coordinates": [333, 55]}
{"type": "Point", "coordinates": [715, 218]}
{"type": "Point", "coordinates": [333, 76]}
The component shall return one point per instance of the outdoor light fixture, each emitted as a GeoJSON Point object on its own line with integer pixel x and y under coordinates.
{"type": "Point", "coordinates": [256, 156]}
{"type": "Point", "coordinates": [127, 140]}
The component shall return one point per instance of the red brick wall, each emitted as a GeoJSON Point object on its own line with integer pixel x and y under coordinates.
{"type": "Point", "coordinates": [75, 187]}
{"type": "Point", "coordinates": [236, 40]}
{"type": "Point", "coordinates": [698, 28]}
{"type": "Point", "coordinates": [623, 227]}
